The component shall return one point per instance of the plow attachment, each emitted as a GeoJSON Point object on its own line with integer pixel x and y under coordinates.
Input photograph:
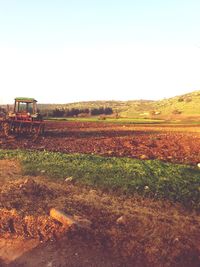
{"type": "Point", "coordinates": [31, 128]}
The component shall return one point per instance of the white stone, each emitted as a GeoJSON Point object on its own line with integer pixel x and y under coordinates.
{"type": "Point", "coordinates": [69, 179]}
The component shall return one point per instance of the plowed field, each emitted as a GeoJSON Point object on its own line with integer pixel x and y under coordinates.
{"type": "Point", "coordinates": [173, 143]}
{"type": "Point", "coordinates": [125, 231]}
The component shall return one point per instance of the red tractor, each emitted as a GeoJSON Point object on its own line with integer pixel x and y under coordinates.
{"type": "Point", "coordinates": [23, 119]}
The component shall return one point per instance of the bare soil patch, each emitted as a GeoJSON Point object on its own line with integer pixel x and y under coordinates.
{"type": "Point", "coordinates": [125, 231]}
{"type": "Point", "coordinates": [9, 171]}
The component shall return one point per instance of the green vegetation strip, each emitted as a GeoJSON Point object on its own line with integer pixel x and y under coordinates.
{"type": "Point", "coordinates": [111, 120]}
{"type": "Point", "coordinates": [151, 178]}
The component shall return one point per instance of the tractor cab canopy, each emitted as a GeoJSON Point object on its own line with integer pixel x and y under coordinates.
{"type": "Point", "coordinates": [25, 99]}
{"type": "Point", "coordinates": [25, 104]}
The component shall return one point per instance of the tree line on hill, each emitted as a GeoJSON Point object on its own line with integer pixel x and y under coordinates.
{"type": "Point", "coordinates": [74, 112]}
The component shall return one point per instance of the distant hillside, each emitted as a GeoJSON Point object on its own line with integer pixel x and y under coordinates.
{"type": "Point", "coordinates": [183, 107]}
{"type": "Point", "coordinates": [187, 105]}
{"type": "Point", "coordinates": [125, 108]}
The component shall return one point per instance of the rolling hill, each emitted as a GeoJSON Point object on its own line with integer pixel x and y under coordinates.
{"type": "Point", "coordinates": [183, 106]}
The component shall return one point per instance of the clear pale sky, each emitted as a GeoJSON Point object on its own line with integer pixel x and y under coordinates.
{"type": "Point", "coordinates": [61, 51]}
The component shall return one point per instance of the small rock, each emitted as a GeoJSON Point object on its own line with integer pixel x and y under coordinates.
{"type": "Point", "coordinates": [143, 157]}
{"type": "Point", "coordinates": [28, 183]}
{"type": "Point", "coordinates": [68, 220]}
{"type": "Point", "coordinates": [121, 220]}
{"type": "Point", "coordinates": [63, 218]}
{"type": "Point", "coordinates": [69, 179]}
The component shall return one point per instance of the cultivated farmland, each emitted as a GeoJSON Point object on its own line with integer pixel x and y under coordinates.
{"type": "Point", "coordinates": [132, 190]}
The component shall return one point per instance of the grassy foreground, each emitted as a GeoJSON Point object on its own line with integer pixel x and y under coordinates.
{"type": "Point", "coordinates": [149, 178]}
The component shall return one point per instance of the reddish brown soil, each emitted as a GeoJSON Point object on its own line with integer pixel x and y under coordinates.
{"type": "Point", "coordinates": [173, 143]}
{"type": "Point", "coordinates": [125, 231]}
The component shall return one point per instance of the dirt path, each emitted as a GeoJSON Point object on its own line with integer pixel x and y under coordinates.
{"type": "Point", "coordinates": [65, 252]}
{"type": "Point", "coordinates": [124, 231]}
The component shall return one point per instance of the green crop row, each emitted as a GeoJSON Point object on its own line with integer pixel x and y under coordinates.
{"type": "Point", "coordinates": [149, 178]}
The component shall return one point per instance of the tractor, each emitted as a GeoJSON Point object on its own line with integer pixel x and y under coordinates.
{"type": "Point", "coordinates": [24, 119]}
